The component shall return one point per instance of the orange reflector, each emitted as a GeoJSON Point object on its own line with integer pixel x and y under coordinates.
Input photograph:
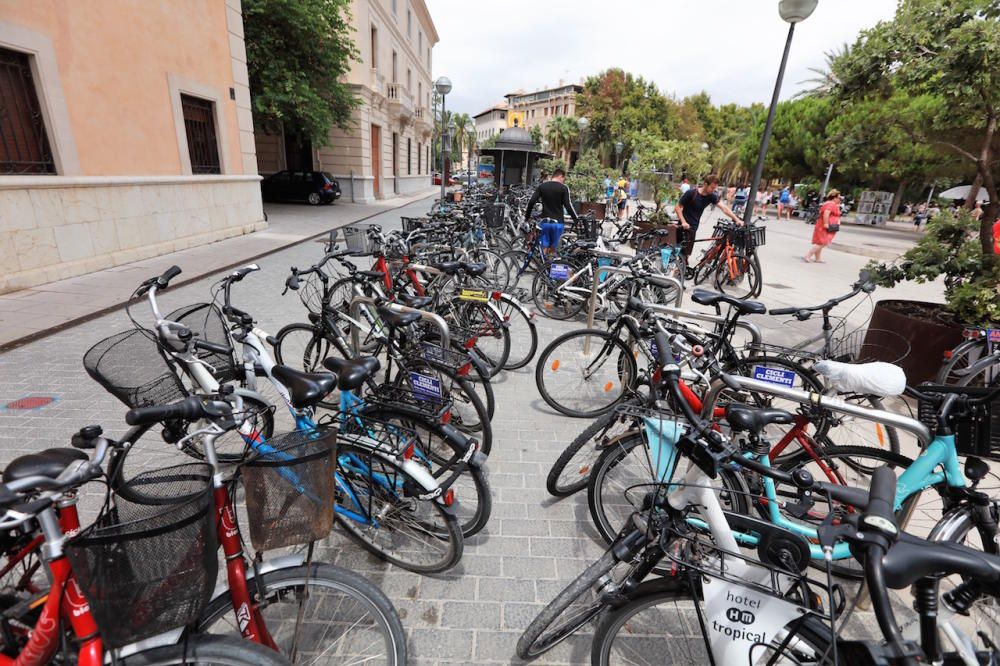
{"type": "Point", "coordinates": [465, 369]}
{"type": "Point", "coordinates": [408, 451]}
{"type": "Point", "coordinates": [947, 355]}
{"type": "Point", "coordinates": [446, 417]}
{"type": "Point", "coordinates": [881, 435]}
{"type": "Point", "coordinates": [585, 470]}
{"type": "Point", "coordinates": [608, 386]}
{"type": "Point", "coordinates": [555, 365]}
{"type": "Point", "coordinates": [496, 295]}
{"type": "Point", "coordinates": [470, 343]}
{"type": "Point", "coordinates": [449, 497]}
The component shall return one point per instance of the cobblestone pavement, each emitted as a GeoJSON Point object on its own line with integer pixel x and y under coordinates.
{"type": "Point", "coordinates": [474, 614]}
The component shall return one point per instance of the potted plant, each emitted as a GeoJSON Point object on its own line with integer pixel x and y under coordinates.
{"type": "Point", "coordinates": [950, 248]}
{"type": "Point", "coordinates": [586, 184]}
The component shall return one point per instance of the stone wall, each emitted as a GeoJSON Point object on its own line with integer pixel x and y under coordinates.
{"type": "Point", "coordinates": [53, 228]}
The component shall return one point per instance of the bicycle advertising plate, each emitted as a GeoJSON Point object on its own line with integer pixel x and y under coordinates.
{"type": "Point", "coordinates": [738, 618]}
{"type": "Point", "coordinates": [424, 387]}
{"type": "Point", "coordinates": [477, 295]}
{"type": "Point", "coordinates": [559, 271]}
{"type": "Point", "coordinates": [778, 376]}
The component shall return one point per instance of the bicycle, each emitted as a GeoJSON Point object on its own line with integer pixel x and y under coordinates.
{"type": "Point", "coordinates": [732, 260]}
{"type": "Point", "coordinates": [973, 362]}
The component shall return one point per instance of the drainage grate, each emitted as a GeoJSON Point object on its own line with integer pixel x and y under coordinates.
{"type": "Point", "coordinates": [775, 285]}
{"type": "Point", "coordinates": [30, 402]}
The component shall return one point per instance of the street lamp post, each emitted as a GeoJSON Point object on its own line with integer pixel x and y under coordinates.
{"type": "Point", "coordinates": [618, 149]}
{"type": "Point", "coordinates": [792, 11]}
{"type": "Point", "coordinates": [443, 87]}
{"type": "Point", "coordinates": [583, 124]}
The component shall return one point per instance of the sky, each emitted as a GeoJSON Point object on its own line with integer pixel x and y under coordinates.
{"type": "Point", "coordinates": [729, 48]}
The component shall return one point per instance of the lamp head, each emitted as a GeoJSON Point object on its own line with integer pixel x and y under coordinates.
{"type": "Point", "coordinates": [795, 11]}
{"type": "Point", "coordinates": [618, 146]}
{"type": "Point", "coordinates": [443, 85]}
{"type": "Point", "coordinates": [582, 123]}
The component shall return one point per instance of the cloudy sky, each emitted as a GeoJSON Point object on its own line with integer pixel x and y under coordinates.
{"type": "Point", "coordinates": [731, 48]}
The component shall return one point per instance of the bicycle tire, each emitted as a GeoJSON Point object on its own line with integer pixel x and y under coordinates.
{"type": "Point", "coordinates": [962, 356]}
{"type": "Point", "coordinates": [361, 483]}
{"type": "Point", "coordinates": [813, 632]}
{"type": "Point", "coordinates": [625, 370]}
{"type": "Point", "coordinates": [468, 412]}
{"type": "Point", "coordinates": [523, 332]}
{"type": "Point", "coordinates": [570, 472]}
{"type": "Point", "coordinates": [549, 301]}
{"type": "Point", "coordinates": [492, 337]}
{"type": "Point", "coordinates": [738, 277]}
{"type": "Point", "coordinates": [206, 650]}
{"type": "Point", "coordinates": [341, 296]}
{"type": "Point", "coordinates": [300, 583]}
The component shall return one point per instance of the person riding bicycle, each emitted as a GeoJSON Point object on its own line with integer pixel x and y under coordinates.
{"type": "Point", "coordinates": [693, 203]}
{"type": "Point", "coordinates": [554, 196]}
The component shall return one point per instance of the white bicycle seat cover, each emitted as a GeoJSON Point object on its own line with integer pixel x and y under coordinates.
{"type": "Point", "coordinates": [882, 379]}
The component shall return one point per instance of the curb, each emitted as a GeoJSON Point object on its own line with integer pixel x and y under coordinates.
{"type": "Point", "coordinates": [20, 342]}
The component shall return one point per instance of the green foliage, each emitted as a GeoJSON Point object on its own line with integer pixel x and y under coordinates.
{"type": "Point", "coordinates": [950, 250]}
{"type": "Point", "coordinates": [654, 156]}
{"type": "Point", "coordinates": [796, 147]}
{"type": "Point", "coordinates": [536, 134]}
{"type": "Point", "coordinates": [549, 164]}
{"type": "Point", "coordinates": [297, 53]}
{"type": "Point", "coordinates": [586, 180]}
{"type": "Point", "coordinates": [490, 141]}
{"type": "Point", "coordinates": [563, 134]}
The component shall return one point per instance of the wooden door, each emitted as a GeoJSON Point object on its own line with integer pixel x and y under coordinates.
{"type": "Point", "coordinates": [377, 158]}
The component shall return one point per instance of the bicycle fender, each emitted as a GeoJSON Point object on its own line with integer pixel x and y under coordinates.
{"type": "Point", "coordinates": [269, 565]}
{"type": "Point", "coordinates": [428, 484]}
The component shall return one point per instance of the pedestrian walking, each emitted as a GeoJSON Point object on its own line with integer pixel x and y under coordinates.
{"type": "Point", "coordinates": [556, 202]}
{"type": "Point", "coordinates": [730, 195]}
{"type": "Point", "coordinates": [783, 199]}
{"type": "Point", "coordinates": [827, 225]}
{"type": "Point", "coordinates": [919, 216]}
{"type": "Point", "coordinates": [685, 186]}
{"type": "Point", "coordinates": [761, 206]}
{"type": "Point", "coordinates": [621, 197]}
{"type": "Point", "coordinates": [693, 203]}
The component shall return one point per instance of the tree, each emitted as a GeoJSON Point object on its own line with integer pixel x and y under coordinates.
{"type": "Point", "coordinates": [658, 161]}
{"type": "Point", "coordinates": [536, 134]}
{"type": "Point", "coordinates": [827, 78]}
{"type": "Point", "coordinates": [465, 135]}
{"type": "Point", "coordinates": [796, 147]}
{"type": "Point", "coordinates": [298, 52]}
{"type": "Point", "coordinates": [586, 180]}
{"type": "Point", "coordinates": [951, 51]}
{"type": "Point", "coordinates": [562, 133]}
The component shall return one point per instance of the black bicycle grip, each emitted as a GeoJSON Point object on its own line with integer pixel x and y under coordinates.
{"type": "Point", "coordinates": [849, 495]}
{"type": "Point", "coordinates": [882, 494]}
{"type": "Point", "coordinates": [212, 347]}
{"type": "Point", "coordinates": [187, 409]}
{"type": "Point", "coordinates": [664, 352]}
{"type": "Point", "coordinates": [167, 276]}
{"type": "Point", "coordinates": [783, 311]}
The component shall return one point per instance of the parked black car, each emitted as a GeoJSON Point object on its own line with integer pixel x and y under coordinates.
{"type": "Point", "coordinates": [316, 187]}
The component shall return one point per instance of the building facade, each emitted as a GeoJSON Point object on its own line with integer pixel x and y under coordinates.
{"type": "Point", "coordinates": [539, 107]}
{"type": "Point", "coordinates": [387, 150]}
{"type": "Point", "coordinates": [490, 122]}
{"type": "Point", "coordinates": [125, 132]}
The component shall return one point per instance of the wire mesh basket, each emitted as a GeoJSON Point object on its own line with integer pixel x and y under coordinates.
{"type": "Point", "coordinates": [312, 293]}
{"type": "Point", "coordinates": [358, 239]}
{"type": "Point", "coordinates": [131, 366]}
{"type": "Point", "coordinates": [419, 398]}
{"type": "Point", "coordinates": [149, 566]}
{"type": "Point", "coordinates": [206, 321]}
{"type": "Point", "coordinates": [494, 215]}
{"type": "Point", "coordinates": [290, 490]}
{"type": "Point", "coordinates": [440, 357]}
{"type": "Point", "coordinates": [976, 428]}
{"type": "Point", "coordinates": [867, 345]}
{"type": "Point", "coordinates": [414, 223]}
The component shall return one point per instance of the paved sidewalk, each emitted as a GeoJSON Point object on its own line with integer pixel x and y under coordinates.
{"type": "Point", "coordinates": [32, 313]}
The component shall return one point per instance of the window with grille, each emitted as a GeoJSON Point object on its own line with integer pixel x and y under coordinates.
{"type": "Point", "coordinates": [199, 124]}
{"type": "Point", "coordinates": [409, 158]}
{"type": "Point", "coordinates": [24, 145]}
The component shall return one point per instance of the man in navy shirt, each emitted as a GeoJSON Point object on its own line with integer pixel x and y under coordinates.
{"type": "Point", "coordinates": [555, 199]}
{"type": "Point", "coordinates": [693, 203]}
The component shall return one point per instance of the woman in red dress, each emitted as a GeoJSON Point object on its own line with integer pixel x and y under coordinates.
{"type": "Point", "coordinates": [827, 225]}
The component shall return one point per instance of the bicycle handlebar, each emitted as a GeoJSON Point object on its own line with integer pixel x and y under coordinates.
{"type": "Point", "coordinates": [188, 409]}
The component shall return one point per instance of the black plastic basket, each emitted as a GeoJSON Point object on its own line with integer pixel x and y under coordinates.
{"type": "Point", "coordinates": [414, 223]}
{"type": "Point", "coordinates": [977, 429]}
{"type": "Point", "coordinates": [493, 215]}
{"type": "Point", "coordinates": [149, 566]}
{"type": "Point", "coordinates": [206, 321]}
{"type": "Point", "coordinates": [587, 228]}
{"type": "Point", "coordinates": [747, 238]}
{"type": "Point", "coordinates": [290, 490]}
{"type": "Point", "coordinates": [440, 357]}
{"type": "Point", "coordinates": [131, 366]}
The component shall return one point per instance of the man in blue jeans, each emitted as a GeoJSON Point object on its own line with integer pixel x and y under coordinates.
{"type": "Point", "coordinates": [554, 196]}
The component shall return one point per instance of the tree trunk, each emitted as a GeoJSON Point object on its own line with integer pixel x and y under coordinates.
{"type": "Point", "coordinates": [897, 200]}
{"type": "Point", "coordinates": [990, 214]}
{"type": "Point", "coordinates": [970, 200]}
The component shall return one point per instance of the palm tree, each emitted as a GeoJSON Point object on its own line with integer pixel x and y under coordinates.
{"type": "Point", "coordinates": [826, 79]}
{"type": "Point", "coordinates": [562, 133]}
{"type": "Point", "coordinates": [464, 137]}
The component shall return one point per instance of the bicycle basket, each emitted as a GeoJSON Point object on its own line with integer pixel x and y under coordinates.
{"type": "Point", "coordinates": [977, 431]}
{"type": "Point", "coordinates": [439, 357]}
{"type": "Point", "coordinates": [357, 239]}
{"type": "Point", "coordinates": [206, 321]}
{"type": "Point", "coordinates": [131, 366]}
{"type": "Point", "coordinates": [421, 398]}
{"type": "Point", "coordinates": [311, 293]}
{"type": "Point", "coordinates": [148, 567]}
{"type": "Point", "coordinates": [873, 344]}
{"type": "Point", "coordinates": [290, 490]}
{"type": "Point", "coordinates": [414, 223]}
{"type": "Point", "coordinates": [493, 215]}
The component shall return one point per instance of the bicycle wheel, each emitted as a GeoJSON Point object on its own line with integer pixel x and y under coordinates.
{"type": "Point", "coordinates": [522, 269]}
{"type": "Point", "coordinates": [492, 337]}
{"type": "Point", "coordinates": [738, 276]}
{"type": "Point", "coordinates": [554, 302]}
{"type": "Point", "coordinates": [853, 466]}
{"type": "Point", "coordinates": [585, 373]}
{"type": "Point", "coordinates": [571, 470]}
{"type": "Point", "coordinates": [370, 327]}
{"type": "Point", "coordinates": [707, 264]}
{"type": "Point", "coordinates": [497, 273]}
{"type": "Point", "coordinates": [522, 331]}
{"type": "Point", "coordinates": [376, 505]}
{"type": "Point", "coordinates": [572, 608]}
{"type": "Point", "coordinates": [956, 368]}
{"type": "Point", "coordinates": [468, 412]}
{"type": "Point", "coordinates": [848, 430]}
{"type": "Point", "coordinates": [206, 650]}
{"type": "Point", "coordinates": [663, 627]}
{"type": "Point", "coordinates": [624, 472]}
{"type": "Point", "coordinates": [318, 614]}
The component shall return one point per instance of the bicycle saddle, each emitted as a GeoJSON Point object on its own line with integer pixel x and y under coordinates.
{"type": "Point", "coordinates": [394, 318]}
{"type": "Point", "coordinates": [912, 558]}
{"type": "Point", "coordinates": [49, 463]}
{"type": "Point", "coordinates": [474, 268]}
{"type": "Point", "coordinates": [744, 418]}
{"type": "Point", "coordinates": [414, 301]}
{"type": "Point", "coordinates": [352, 372]}
{"type": "Point", "coordinates": [448, 267]}
{"type": "Point", "coordinates": [585, 244]}
{"type": "Point", "coordinates": [706, 297]}
{"type": "Point", "coordinates": [305, 389]}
